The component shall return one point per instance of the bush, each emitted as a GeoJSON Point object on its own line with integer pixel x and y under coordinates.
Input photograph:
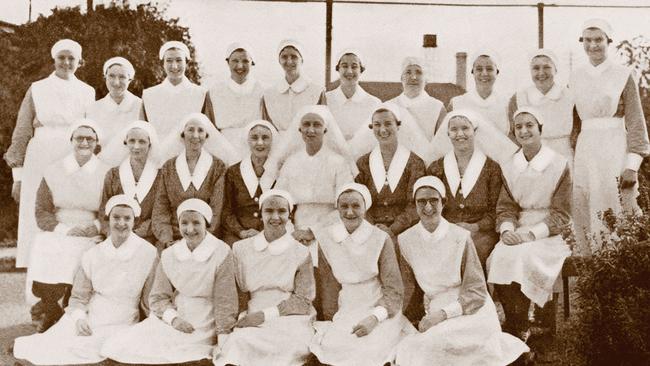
{"type": "Point", "coordinates": [106, 32]}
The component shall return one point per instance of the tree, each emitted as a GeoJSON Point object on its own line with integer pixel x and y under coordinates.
{"type": "Point", "coordinates": [135, 34]}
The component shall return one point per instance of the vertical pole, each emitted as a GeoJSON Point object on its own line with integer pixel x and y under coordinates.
{"type": "Point", "coordinates": [89, 6]}
{"type": "Point", "coordinates": [328, 41]}
{"type": "Point", "coordinates": [30, 12]}
{"type": "Point", "coordinates": [540, 25]}
{"type": "Point", "coordinates": [461, 69]}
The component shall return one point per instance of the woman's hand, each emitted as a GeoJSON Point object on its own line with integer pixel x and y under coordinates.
{"type": "Point", "coordinates": [628, 178]}
{"type": "Point", "coordinates": [182, 326]}
{"type": "Point", "coordinates": [250, 320]}
{"type": "Point", "coordinates": [248, 233]}
{"type": "Point", "coordinates": [77, 231]}
{"type": "Point", "coordinates": [304, 236]}
{"type": "Point", "coordinates": [509, 237]}
{"type": "Point", "coordinates": [472, 228]}
{"type": "Point", "coordinates": [15, 191]}
{"type": "Point", "coordinates": [365, 326]}
{"type": "Point", "coordinates": [432, 319]}
{"type": "Point", "coordinates": [83, 328]}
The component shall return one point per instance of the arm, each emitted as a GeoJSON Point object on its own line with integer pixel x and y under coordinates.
{"type": "Point", "coordinates": [441, 116]}
{"type": "Point", "coordinates": [327, 289]}
{"type": "Point", "coordinates": [512, 108]}
{"type": "Point", "coordinates": [22, 133]}
{"type": "Point", "coordinates": [207, 108]}
{"type": "Point", "coordinates": [216, 199]}
{"type": "Point", "coordinates": [161, 213]}
{"type": "Point", "coordinates": [413, 306]}
{"type": "Point", "coordinates": [148, 285]}
{"type": "Point", "coordinates": [225, 296]}
{"type": "Point", "coordinates": [228, 215]}
{"type": "Point", "coordinates": [487, 223]}
{"type": "Point", "coordinates": [265, 112]}
{"type": "Point", "coordinates": [322, 99]}
{"type": "Point", "coordinates": [392, 286]}
{"type": "Point", "coordinates": [638, 146]}
{"type": "Point", "coordinates": [46, 212]}
{"type": "Point", "coordinates": [304, 291]}
{"type": "Point", "coordinates": [575, 131]}
{"type": "Point", "coordinates": [473, 290]}
{"type": "Point", "coordinates": [560, 214]}
{"type": "Point", "coordinates": [161, 295]}
{"type": "Point", "coordinates": [143, 112]}
{"type": "Point", "coordinates": [409, 216]}
{"type": "Point", "coordinates": [82, 291]}
{"type": "Point", "coordinates": [507, 210]}
{"type": "Point", "coordinates": [107, 193]}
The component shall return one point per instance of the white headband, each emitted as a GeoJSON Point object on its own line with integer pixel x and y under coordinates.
{"type": "Point", "coordinates": [346, 51]}
{"type": "Point", "coordinates": [360, 188]}
{"type": "Point", "coordinates": [291, 43]}
{"type": "Point", "coordinates": [429, 181]}
{"type": "Point", "coordinates": [197, 117]}
{"type": "Point", "coordinates": [122, 200]}
{"type": "Point", "coordinates": [174, 44]}
{"type": "Point", "coordinates": [473, 117]}
{"type": "Point", "coordinates": [601, 24]}
{"type": "Point", "coordinates": [122, 62]}
{"type": "Point", "coordinates": [85, 122]}
{"type": "Point", "coordinates": [277, 192]}
{"type": "Point", "coordinates": [239, 46]}
{"type": "Point", "coordinates": [412, 60]}
{"type": "Point", "coordinates": [322, 111]}
{"type": "Point", "coordinates": [195, 204]}
{"type": "Point", "coordinates": [488, 53]}
{"type": "Point", "coordinates": [261, 122]}
{"type": "Point", "coordinates": [544, 52]}
{"type": "Point", "coordinates": [66, 45]}
{"type": "Point", "coordinates": [532, 111]}
{"type": "Point", "coordinates": [389, 106]}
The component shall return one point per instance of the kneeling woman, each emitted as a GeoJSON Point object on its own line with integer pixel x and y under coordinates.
{"type": "Point", "coordinates": [461, 325]}
{"type": "Point", "coordinates": [193, 298]}
{"type": "Point", "coordinates": [277, 273]}
{"type": "Point", "coordinates": [105, 295]}
{"type": "Point", "coordinates": [360, 259]}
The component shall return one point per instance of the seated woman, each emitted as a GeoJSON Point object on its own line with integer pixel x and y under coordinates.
{"type": "Point", "coordinates": [193, 298]}
{"type": "Point", "coordinates": [277, 273]}
{"type": "Point", "coordinates": [360, 260]}
{"type": "Point", "coordinates": [532, 210]}
{"type": "Point", "coordinates": [240, 216]}
{"type": "Point", "coordinates": [66, 210]}
{"type": "Point", "coordinates": [105, 295]}
{"type": "Point", "coordinates": [466, 145]}
{"type": "Point", "coordinates": [198, 170]}
{"type": "Point", "coordinates": [137, 174]}
{"type": "Point", "coordinates": [461, 326]}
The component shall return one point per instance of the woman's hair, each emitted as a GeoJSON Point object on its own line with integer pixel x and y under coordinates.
{"type": "Point", "coordinates": [361, 67]}
{"type": "Point", "coordinates": [382, 110]}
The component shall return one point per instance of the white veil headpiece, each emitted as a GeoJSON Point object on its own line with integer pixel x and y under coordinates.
{"type": "Point", "coordinates": [117, 151]}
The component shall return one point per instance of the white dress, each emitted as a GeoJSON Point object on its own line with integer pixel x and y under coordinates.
{"type": "Point", "coordinates": [112, 118]}
{"type": "Point", "coordinates": [279, 277]}
{"type": "Point", "coordinates": [494, 108]}
{"type": "Point", "coordinates": [106, 293]}
{"type": "Point", "coordinates": [199, 287]}
{"type": "Point", "coordinates": [282, 101]}
{"type": "Point", "coordinates": [447, 268]}
{"type": "Point", "coordinates": [424, 108]}
{"type": "Point", "coordinates": [351, 113]}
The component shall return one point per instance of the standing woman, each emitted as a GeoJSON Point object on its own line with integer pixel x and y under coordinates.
{"type": "Point", "coordinates": [612, 138]}
{"type": "Point", "coordinates": [281, 102]}
{"type": "Point", "coordinates": [136, 176]}
{"type": "Point", "coordinates": [193, 298]}
{"type": "Point", "coordinates": [40, 137]}
{"type": "Point", "coordinates": [236, 102]}
{"type": "Point", "coordinates": [349, 103]}
{"type": "Point", "coordinates": [277, 274]}
{"type": "Point", "coordinates": [533, 209]}
{"type": "Point", "coordinates": [484, 99]}
{"type": "Point", "coordinates": [168, 102]}
{"type": "Point", "coordinates": [119, 107]}
{"type": "Point", "coordinates": [243, 187]}
{"type": "Point", "coordinates": [198, 170]}
{"type": "Point", "coordinates": [427, 110]}
{"type": "Point", "coordinates": [106, 294]}
{"type": "Point", "coordinates": [67, 203]}
{"type": "Point", "coordinates": [553, 101]}
{"type": "Point", "coordinates": [360, 260]}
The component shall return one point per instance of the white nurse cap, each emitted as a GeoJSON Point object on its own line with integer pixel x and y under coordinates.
{"type": "Point", "coordinates": [66, 45]}
{"type": "Point", "coordinates": [122, 200]}
{"type": "Point", "coordinates": [174, 44]}
{"type": "Point", "coordinates": [429, 181]}
{"type": "Point", "coordinates": [195, 204]}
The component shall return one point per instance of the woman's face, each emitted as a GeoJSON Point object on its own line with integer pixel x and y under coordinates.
{"type": "Point", "coordinates": [428, 204]}
{"type": "Point", "coordinates": [138, 143]}
{"type": "Point", "coordinates": [174, 64]}
{"type": "Point", "coordinates": [384, 127]}
{"type": "Point", "coordinates": [275, 215]}
{"type": "Point", "coordinates": [84, 141]}
{"type": "Point", "coordinates": [193, 227]}
{"type": "Point", "coordinates": [349, 69]}
{"type": "Point", "coordinates": [413, 78]}
{"type": "Point", "coordinates": [312, 128]}
{"type": "Point", "coordinates": [239, 63]}
{"type": "Point", "coordinates": [260, 140]}
{"type": "Point", "coordinates": [542, 71]}
{"type": "Point", "coordinates": [194, 135]}
{"type": "Point", "coordinates": [117, 80]}
{"type": "Point", "coordinates": [594, 42]}
{"type": "Point", "coordinates": [527, 130]}
{"type": "Point", "coordinates": [352, 209]}
{"type": "Point", "coordinates": [290, 60]}
{"type": "Point", "coordinates": [485, 71]}
{"type": "Point", "coordinates": [461, 133]}
{"type": "Point", "coordinates": [65, 64]}
{"type": "Point", "coordinates": [120, 222]}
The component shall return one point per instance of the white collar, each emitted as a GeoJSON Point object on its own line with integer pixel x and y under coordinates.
{"type": "Point", "coordinates": [124, 252]}
{"type": "Point", "coordinates": [438, 234]}
{"type": "Point", "coordinates": [539, 162]}
{"type": "Point", "coordinates": [125, 106]}
{"type": "Point", "coordinates": [178, 88]}
{"type": "Point", "coordinates": [359, 95]}
{"type": "Point", "coordinates": [407, 102]}
{"type": "Point", "coordinates": [297, 86]}
{"type": "Point", "coordinates": [140, 189]}
{"type": "Point", "coordinates": [200, 170]}
{"type": "Point", "coordinates": [472, 172]}
{"type": "Point", "coordinates": [379, 175]}
{"type": "Point", "coordinates": [251, 181]}
{"type": "Point", "coordinates": [241, 89]}
{"type": "Point", "coordinates": [71, 166]}
{"type": "Point", "coordinates": [535, 97]}
{"type": "Point", "coordinates": [200, 254]}
{"type": "Point", "coordinates": [598, 70]}
{"type": "Point", "coordinates": [276, 247]}
{"type": "Point", "coordinates": [359, 236]}
{"type": "Point", "coordinates": [491, 100]}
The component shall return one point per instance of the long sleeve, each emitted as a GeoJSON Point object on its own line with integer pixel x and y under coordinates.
{"type": "Point", "coordinates": [228, 215]}
{"type": "Point", "coordinates": [441, 117]}
{"type": "Point", "coordinates": [161, 294]}
{"type": "Point", "coordinates": [161, 214]}
{"type": "Point", "coordinates": [207, 108]}
{"type": "Point", "coordinates": [265, 112]}
{"type": "Point", "coordinates": [224, 294]}
{"type": "Point", "coordinates": [304, 291]}
{"type": "Point", "coordinates": [82, 291]}
{"type": "Point", "coordinates": [635, 124]}
{"type": "Point", "coordinates": [22, 133]}
{"type": "Point", "coordinates": [343, 176]}
{"type": "Point", "coordinates": [575, 130]}
{"type": "Point", "coordinates": [392, 286]}
{"type": "Point", "coordinates": [143, 113]}
{"type": "Point", "coordinates": [327, 289]}
{"type": "Point", "coordinates": [146, 288]}
{"type": "Point", "coordinates": [487, 223]}
{"type": "Point", "coordinates": [322, 99]}
{"type": "Point", "coordinates": [473, 290]}
{"type": "Point", "coordinates": [45, 210]}
{"type": "Point", "coordinates": [409, 216]}
{"type": "Point", "coordinates": [512, 108]}
{"type": "Point", "coordinates": [216, 200]}
{"type": "Point", "coordinates": [560, 214]}
{"type": "Point", "coordinates": [507, 210]}
{"type": "Point", "coordinates": [107, 193]}
{"type": "Point", "coordinates": [413, 306]}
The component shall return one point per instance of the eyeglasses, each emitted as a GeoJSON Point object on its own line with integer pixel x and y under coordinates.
{"type": "Point", "coordinates": [81, 139]}
{"type": "Point", "coordinates": [424, 201]}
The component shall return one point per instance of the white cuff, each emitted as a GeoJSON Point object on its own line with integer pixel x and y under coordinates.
{"type": "Point", "coordinates": [169, 315]}
{"type": "Point", "coordinates": [271, 313]}
{"type": "Point", "coordinates": [540, 231]}
{"type": "Point", "coordinates": [453, 310]}
{"type": "Point", "coordinates": [77, 314]}
{"type": "Point", "coordinates": [506, 226]}
{"type": "Point", "coordinates": [633, 161]}
{"type": "Point", "coordinates": [242, 315]}
{"type": "Point", "coordinates": [17, 174]}
{"type": "Point", "coordinates": [62, 229]}
{"type": "Point", "coordinates": [380, 312]}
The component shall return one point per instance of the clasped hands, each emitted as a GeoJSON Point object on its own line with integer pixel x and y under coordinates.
{"type": "Point", "coordinates": [509, 237]}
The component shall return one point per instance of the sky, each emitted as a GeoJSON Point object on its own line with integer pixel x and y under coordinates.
{"type": "Point", "coordinates": [383, 34]}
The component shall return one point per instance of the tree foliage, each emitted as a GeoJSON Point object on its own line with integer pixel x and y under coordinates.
{"type": "Point", "coordinates": [135, 34]}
